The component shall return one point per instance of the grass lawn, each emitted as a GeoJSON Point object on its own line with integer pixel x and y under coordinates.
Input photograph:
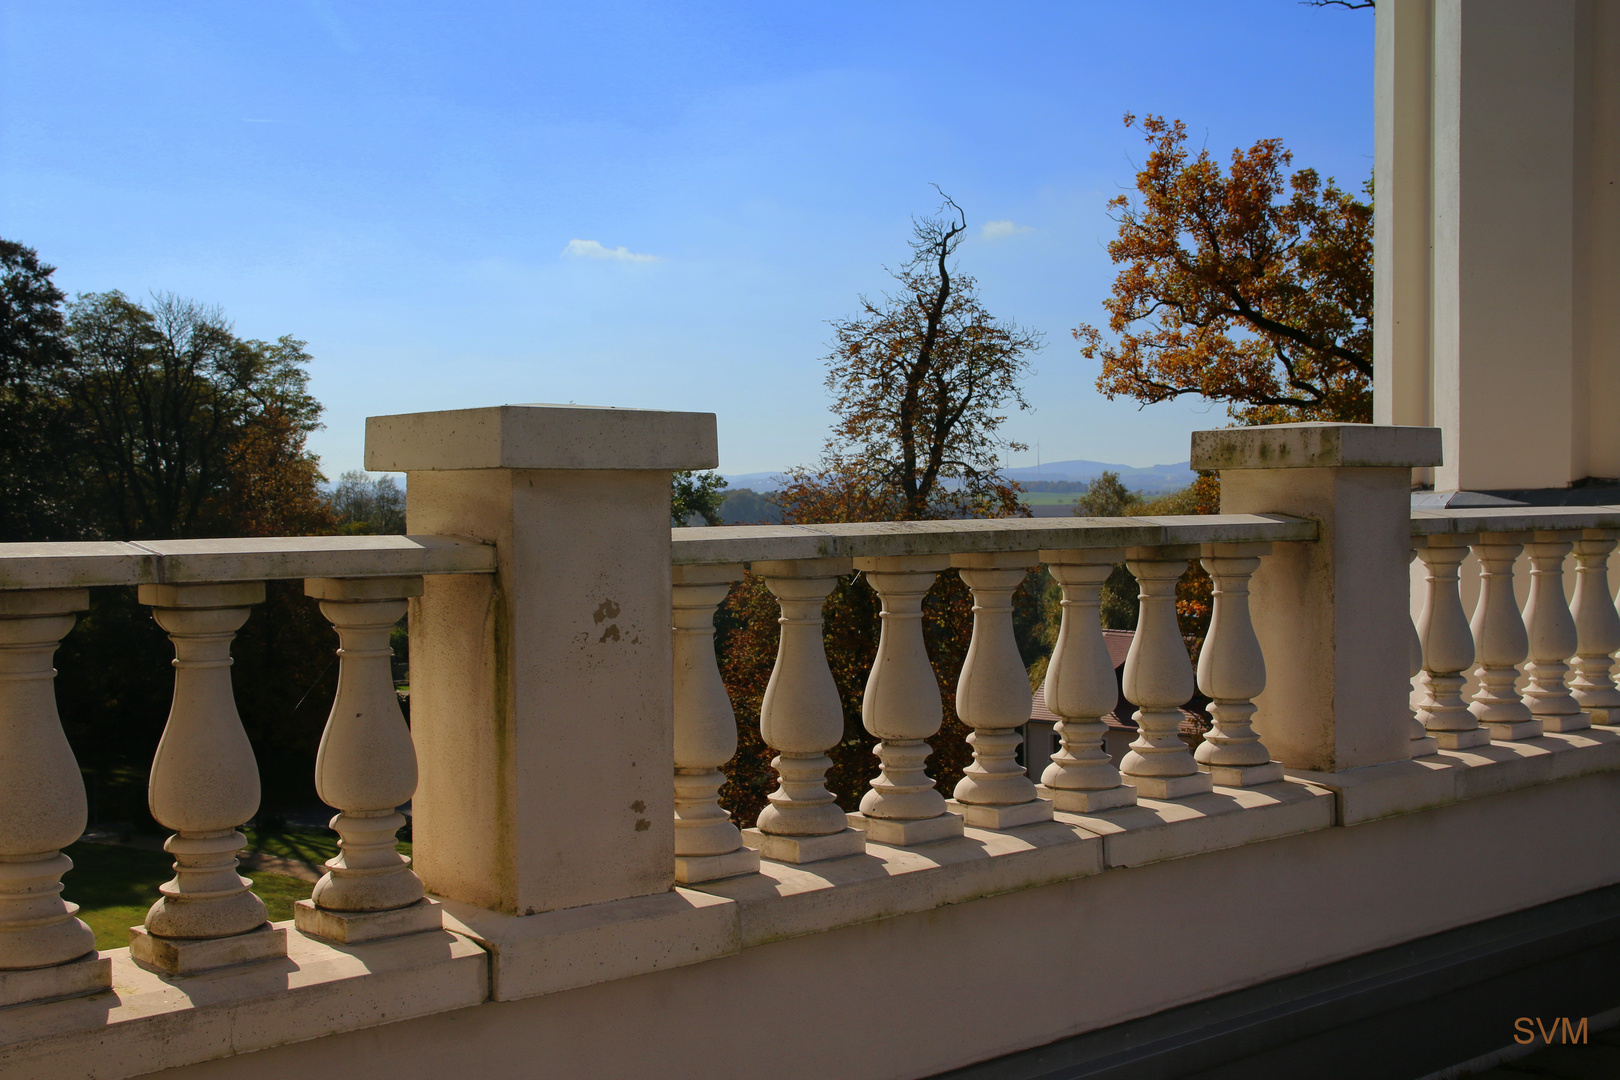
{"type": "Point", "coordinates": [114, 885]}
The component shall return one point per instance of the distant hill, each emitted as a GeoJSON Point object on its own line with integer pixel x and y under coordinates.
{"type": "Point", "coordinates": [1151, 479]}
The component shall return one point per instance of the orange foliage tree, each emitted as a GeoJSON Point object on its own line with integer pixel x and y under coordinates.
{"type": "Point", "coordinates": [1241, 286]}
{"type": "Point", "coordinates": [920, 380]}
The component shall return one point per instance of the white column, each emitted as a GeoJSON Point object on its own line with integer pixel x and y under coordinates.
{"type": "Point", "coordinates": [1232, 672]}
{"type": "Point", "coordinates": [993, 698]}
{"type": "Point", "coordinates": [1423, 744]}
{"type": "Point", "coordinates": [707, 845]}
{"type": "Point", "coordinates": [1500, 641]}
{"type": "Point", "coordinates": [802, 718]}
{"type": "Point", "coordinates": [205, 783]}
{"type": "Point", "coordinates": [1448, 646]}
{"type": "Point", "coordinates": [1159, 680]}
{"type": "Point", "coordinates": [1597, 627]}
{"type": "Point", "coordinates": [366, 769]}
{"type": "Point", "coordinates": [902, 708]}
{"type": "Point", "coordinates": [45, 952]}
{"type": "Point", "coordinates": [1080, 687]}
{"type": "Point", "coordinates": [1552, 637]}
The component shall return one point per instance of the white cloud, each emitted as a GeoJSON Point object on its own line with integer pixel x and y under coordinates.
{"type": "Point", "coordinates": [995, 230]}
{"type": "Point", "coordinates": [593, 249]}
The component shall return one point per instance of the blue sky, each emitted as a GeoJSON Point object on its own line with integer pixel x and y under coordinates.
{"type": "Point", "coordinates": [652, 205]}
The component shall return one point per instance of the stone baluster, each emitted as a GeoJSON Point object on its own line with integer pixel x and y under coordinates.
{"type": "Point", "coordinates": [1232, 672]}
{"type": "Point", "coordinates": [1553, 639]}
{"type": "Point", "coordinates": [993, 698]}
{"type": "Point", "coordinates": [366, 769]}
{"type": "Point", "coordinates": [707, 845]}
{"type": "Point", "coordinates": [1422, 743]}
{"type": "Point", "coordinates": [1500, 641]}
{"type": "Point", "coordinates": [1597, 627]}
{"type": "Point", "coordinates": [1448, 646]}
{"type": "Point", "coordinates": [1159, 680]}
{"type": "Point", "coordinates": [45, 952]}
{"type": "Point", "coordinates": [1080, 687]}
{"type": "Point", "coordinates": [902, 708]}
{"type": "Point", "coordinates": [204, 784]}
{"type": "Point", "coordinates": [802, 718]}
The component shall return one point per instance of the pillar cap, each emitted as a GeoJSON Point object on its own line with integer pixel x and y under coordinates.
{"type": "Point", "coordinates": [1316, 446]}
{"type": "Point", "coordinates": [541, 437]}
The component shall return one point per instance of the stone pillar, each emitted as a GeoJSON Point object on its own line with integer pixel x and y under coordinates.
{"type": "Point", "coordinates": [45, 951]}
{"type": "Point", "coordinates": [541, 697]}
{"type": "Point", "coordinates": [1331, 614]}
{"type": "Point", "coordinates": [366, 769]}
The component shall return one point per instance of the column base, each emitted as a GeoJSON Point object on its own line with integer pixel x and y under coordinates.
{"type": "Point", "coordinates": [353, 927]}
{"type": "Point", "coordinates": [1462, 740]}
{"type": "Point", "coordinates": [1515, 730]}
{"type": "Point", "coordinates": [1002, 817]}
{"type": "Point", "coordinates": [1578, 721]}
{"type": "Point", "coordinates": [1088, 802]}
{"type": "Point", "coordinates": [1244, 775]}
{"type": "Point", "coordinates": [691, 869]}
{"type": "Point", "coordinates": [1171, 787]}
{"type": "Point", "coordinates": [1428, 746]}
{"type": "Point", "coordinates": [1604, 717]}
{"type": "Point", "coordinates": [89, 974]}
{"type": "Point", "coordinates": [896, 833]}
{"type": "Point", "coordinates": [183, 956]}
{"type": "Point", "coordinates": [806, 849]}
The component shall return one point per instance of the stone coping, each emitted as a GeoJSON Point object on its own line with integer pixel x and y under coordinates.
{"type": "Point", "coordinates": [150, 1021]}
{"type": "Point", "coordinates": [1513, 519]}
{"type": "Point", "coordinates": [168, 562]}
{"type": "Point", "coordinates": [762, 543]}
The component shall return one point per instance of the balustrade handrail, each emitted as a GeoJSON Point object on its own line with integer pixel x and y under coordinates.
{"type": "Point", "coordinates": [76, 564]}
{"type": "Point", "coordinates": [748, 543]}
{"type": "Point", "coordinates": [1513, 519]}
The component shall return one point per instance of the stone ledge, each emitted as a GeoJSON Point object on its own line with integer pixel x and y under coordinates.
{"type": "Point", "coordinates": [560, 950]}
{"type": "Point", "coordinates": [1402, 787]}
{"type": "Point", "coordinates": [1154, 829]}
{"type": "Point", "coordinates": [149, 1021]}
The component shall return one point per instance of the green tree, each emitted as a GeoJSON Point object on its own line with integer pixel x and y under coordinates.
{"type": "Point", "coordinates": [696, 494]}
{"type": "Point", "coordinates": [33, 348]}
{"type": "Point", "coordinates": [364, 504]}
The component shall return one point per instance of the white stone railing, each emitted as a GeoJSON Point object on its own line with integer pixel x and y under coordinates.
{"type": "Point", "coordinates": [204, 780]}
{"type": "Point", "coordinates": [569, 724]}
{"type": "Point", "coordinates": [802, 718]}
{"type": "Point", "coordinates": [1545, 668]}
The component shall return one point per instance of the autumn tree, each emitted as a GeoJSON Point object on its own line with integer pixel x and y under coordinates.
{"type": "Point", "coordinates": [1239, 286]}
{"type": "Point", "coordinates": [921, 380]}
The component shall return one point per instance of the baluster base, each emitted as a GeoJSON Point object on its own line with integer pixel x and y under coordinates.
{"type": "Point", "coordinates": [691, 869]}
{"type": "Point", "coordinates": [1088, 802]}
{"type": "Point", "coordinates": [1579, 721]}
{"type": "Point", "coordinates": [1002, 817]}
{"type": "Point", "coordinates": [1513, 730]}
{"type": "Point", "coordinates": [806, 849]}
{"type": "Point", "coordinates": [184, 956]}
{"type": "Point", "coordinates": [89, 974]}
{"type": "Point", "coordinates": [1462, 740]}
{"type": "Point", "coordinates": [896, 832]}
{"type": "Point", "coordinates": [1244, 775]}
{"type": "Point", "coordinates": [1427, 746]}
{"type": "Point", "coordinates": [1171, 787]}
{"type": "Point", "coordinates": [1604, 717]}
{"type": "Point", "coordinates": [353, 927]}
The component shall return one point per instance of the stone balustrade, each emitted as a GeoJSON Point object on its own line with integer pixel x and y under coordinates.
{"type": "Point", "coordinates": [204, 781]}
{"type": "Point", "coordinates": [570, 726]}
